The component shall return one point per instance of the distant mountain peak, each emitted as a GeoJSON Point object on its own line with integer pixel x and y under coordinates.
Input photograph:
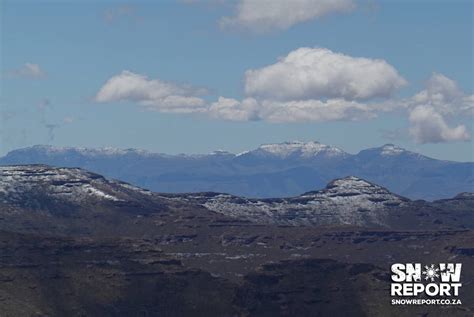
{"type": "Point", "coordinates": [354, 186]}
{"type": "Point", "coordinates": [391, 150]}
{"type": "Point", "coordinates": [299, 149]}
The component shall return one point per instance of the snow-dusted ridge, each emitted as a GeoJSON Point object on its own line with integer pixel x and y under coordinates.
{"type": "Point", "coordinates": [285, 150]}
{"type": "Point", "coordinates": [280, 150]}
{"type": "Point", "coordinates": [345, 201]}
{"type": "Point", "coordinates": [392, 150]}
{"type": "Point", "coordinates": [299, 149]}
{"type": "Point", "coordinates": [71, 184]}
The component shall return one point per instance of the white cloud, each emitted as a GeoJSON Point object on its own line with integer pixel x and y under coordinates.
{"type": "Point", "coordinates": [234, 110]}
{"type": "Point", "coordinates": [316, 73]}
{"type": "Point", "coordinates": [289, 111]}
{"type": "Point", "coordinates": [428, 126]}
{"type": "Point", "coordinates": [315, 110]}
{"type": "Point", "coordinates": [442, 98]}
{"type": "Point", "coordinates": [444, 95]}
{"type": "Point", "coordinates": [153, 94]}
{"type": "Point", "coordinates": [313, 84]}
{"type": "Point", "coordinates": [159, 95]}
{"type": "Point", "coordinates": [267, 15]}
{"type": "Point", "coordinates": [29, 71]}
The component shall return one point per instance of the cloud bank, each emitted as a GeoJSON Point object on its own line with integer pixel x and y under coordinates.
{"type": "Point", "coordinates": [311, 85]}
{"type": "Point", "coordinates": [251, 109]}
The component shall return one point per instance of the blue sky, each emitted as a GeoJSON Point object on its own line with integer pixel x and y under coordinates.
{"type": "Point", "coordinates": [57, 58]}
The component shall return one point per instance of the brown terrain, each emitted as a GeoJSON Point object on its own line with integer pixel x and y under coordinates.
{"type": "Point", "coordinates": [75, 244]}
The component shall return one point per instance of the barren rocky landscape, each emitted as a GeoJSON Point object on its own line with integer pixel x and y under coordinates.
{"type": "Point", "coordinates": [77, 244]}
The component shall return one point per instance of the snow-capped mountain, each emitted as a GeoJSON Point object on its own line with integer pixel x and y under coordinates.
{"type": "Point", "coordinates": [296, 150]}
{"type": "Point", "coordinates": [271, 170]}
{"type": "Point", "coordinates": [390, 150]}
{"type": "Point", "coordinates": [346, 201]}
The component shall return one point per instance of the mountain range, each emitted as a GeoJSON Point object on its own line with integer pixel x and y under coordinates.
{"type": "Point", "coordinates": [348, 201]}
{"type": "Point", "coordinates": [271, 170]}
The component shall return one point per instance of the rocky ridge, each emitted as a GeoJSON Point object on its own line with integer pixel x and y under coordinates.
{"type": "Point", "coordinates": [346, 201]}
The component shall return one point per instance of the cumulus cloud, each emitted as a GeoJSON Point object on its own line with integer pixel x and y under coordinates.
{"type": "Point", "coordinates": [315, 73]}
{"type": "Point", "coordinates": [267, 15]}
{"type": "Point", "coordinates": [429, 126]}
{"type": "Point", "coordinates": [153, 94]}
{"type": "Point", "coordinates": [235, 110]}
{"type": "Point", "coordinates": [444, 95]}
{"type": "Point", "coordinates": [313, 84]}
{"type": "Point", "coordinates": [441, 99]}
{"type": "Point", "coordinates": [28, 71]}
{"type": "Point", "coordinates": [309, 84]}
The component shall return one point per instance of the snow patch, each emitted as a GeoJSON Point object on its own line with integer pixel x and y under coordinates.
{"type": "Point", "coordinates": [390, 149]}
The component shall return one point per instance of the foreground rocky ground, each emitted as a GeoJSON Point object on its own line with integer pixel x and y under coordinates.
{"type": "Point", "coordinates": [253, 271]}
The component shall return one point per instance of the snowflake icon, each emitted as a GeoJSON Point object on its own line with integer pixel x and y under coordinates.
{"type": "Point", "coordinates": [431, 272]}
